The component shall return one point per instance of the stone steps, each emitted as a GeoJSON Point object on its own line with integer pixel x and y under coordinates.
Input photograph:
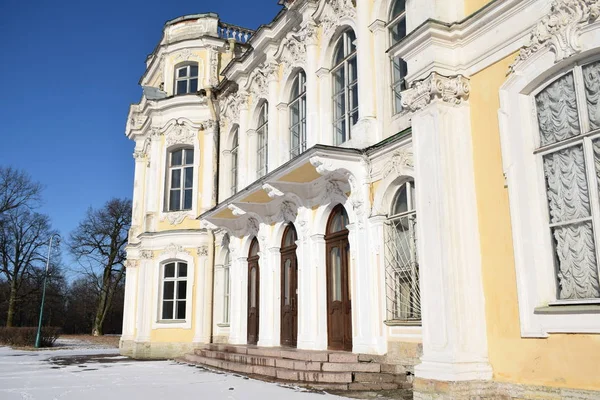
{"type": "Point", "coordinates": [324, 370]}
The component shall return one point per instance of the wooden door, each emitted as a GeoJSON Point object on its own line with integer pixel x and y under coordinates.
{"type": "Point", "coordinates": [339, 303]}
{"type": "Point", "coordinates": [289, 288]}
{"type": "Point", "coordinates": [253, 292]}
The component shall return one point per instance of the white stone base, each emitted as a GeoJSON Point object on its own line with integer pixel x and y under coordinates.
{"type": "Point", "coordinates": [453, 371]}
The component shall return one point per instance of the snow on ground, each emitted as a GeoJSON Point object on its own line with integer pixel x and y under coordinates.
{"type": "Point", "coordinates": [91, 372]}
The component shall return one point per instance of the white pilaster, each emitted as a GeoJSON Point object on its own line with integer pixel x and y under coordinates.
{"type": "Point", "coordinates": [129, 311]}
{"type": "Point", "coordinates": [312, 87]}
{"type": "Point", "coordinates": [273, 140]}
{"type": "Point", "coordinates": [145, 299]}
{"type": "Point", "coordinates": [239, 295]}
{"type": "Point", "coordinates": [325, 107]}
{"type": "Point", "coordinates": [207, 158]}
{"type": "Point", "coordinates": [251, 152]}
{"type": "Point", "coordinates": [244, 150]}
{"type": "Point", "coordinates": [382, 78]}
{"type": "Point", "coordinates": [270, 259]}
{"type": "Point", "coordinates": [454, 325]}
{"type": "Point", "coordinates": [202, 287]}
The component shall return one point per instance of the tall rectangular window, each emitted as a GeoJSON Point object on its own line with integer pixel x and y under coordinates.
{"type": "Point", "coordinates": [345, 87]}
{"type": "Point", "coordinates": [262, 133]}
{"type": "Point", "coordinates": [397, 30]}
{"type": "Point", "coordinates": [186, 79]}
{"type": "Point", "coordinates": [181, 179]}
{"type": "Point", "coordinates": [568, 119]}
{"type": "Point", "coordinates": [174, 291]}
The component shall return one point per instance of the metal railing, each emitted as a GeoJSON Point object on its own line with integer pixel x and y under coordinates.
{"type": "Point", "coordinates": [402, 269]}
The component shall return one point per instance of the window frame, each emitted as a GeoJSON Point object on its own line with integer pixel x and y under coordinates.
{"type": "Point", "coordinates": [226, 317]}
{"type": "Point", "coordinates": [262, 140]}
{"type": "Point", "coordinates": [585, 138]}
{"type": "Point", "coordinates": [188, 78]}
{"type": "Point", "coordinates": [523, 170]}
{"type": "Point", "coordinates": [234, 154]}
{"type": "Point", "coordinates": [182, 186]}
{"type": "Point", "coordinates": [298, 99]}
{"type": "Point", "coordinates": [398, 83]}
{"type": "Point", "coordinates": [348, 87]}
{"type": "Point", "coordinates": [176, 279]}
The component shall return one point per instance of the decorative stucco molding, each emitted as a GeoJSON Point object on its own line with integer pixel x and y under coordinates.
{"type": "Point", "coordinates": [180, 133]}
{"type": "Point", "coordinates": [400, 160]}
{"type": "Point", "coordinates": [147, 254]}
{"type": "Point", "coordinates": [230, 107]}
{"type": "Point", "coordinates": [176, 217]}
{"type": "Point", "coordinates": [272, 191]}
{"type": "Point", "coordinates": [260, 78]}
{"type": "Point", "coordinates": [132, 263]}
{"type": "Point", "coordinates": [214, 66]}
{"type": "Point", "coordinates": [292, 53]}
{"type": "Point", "coordinates": [560, 29]}
{"type": "Point", "coordinates": [334, 12]}
{"type": "Point", "coordinates": [252, 226]}
{"type": "Point", "coordinates": [452, 90]}
{"type": "Point", "coordinates": [173, 250]}
{"type": "Point", "coordinates": [203, 251]}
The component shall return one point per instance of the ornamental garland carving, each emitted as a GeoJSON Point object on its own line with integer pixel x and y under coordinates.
{"type": "Point", "coordinates": [400, 160]}
{"type": "Point", "coordinates": [230, 107]}
{"type": "Point", "coordinates": [176, 217]}
{"type": "Point", "coordinates": [259, 81]}
{"type": "Point", "coordinates": [173, 250]}
{"type": "Point", "coordinates": [214, 66]}
{"type": "Point", "coordinates": [293, 53]}
{"type": "Point", "coordinates": [335, 11]}
{"type": "Point", "coordinates": [560, 29]}
{"type": "Point", "coordinates": [180, 134]}
{"type": "Point", "coordinates": [147, 254]}
{"type": "Point", "coordinates": [452, 90]}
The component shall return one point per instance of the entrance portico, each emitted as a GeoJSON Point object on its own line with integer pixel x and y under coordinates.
{"type": "Point", "coordinates": [302, 196]}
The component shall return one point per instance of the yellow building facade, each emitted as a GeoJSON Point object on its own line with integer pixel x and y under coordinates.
{"type": "Point", "coordinates": [411, 180]}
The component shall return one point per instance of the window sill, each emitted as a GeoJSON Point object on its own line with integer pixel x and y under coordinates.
{"type": "Point", "coordinates": [171, 321]}
{"type": "Point", "coordinates": [223, 325]}
{"type": "Point", "coordinates": [568, 309]}
{"type": "Point", "coordinates": [396, 322]}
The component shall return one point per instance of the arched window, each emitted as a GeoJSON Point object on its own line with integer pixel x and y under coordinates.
{"type": "Point", "coordinates": [397, 28]}
{"type": "Point", "coordinates": [174, 290]}
{"type": "Point", "coordinates": [234, 162]}
{"type": "Point", "coordinates": [568, 120]}
{"type": "Point", "coordinates": [262, 133]}
{"type": "Point", "coordinates": [402, 266]}
{"type": "Point", "coordinates": [181, 179]}
{"type": "Point", "coordinates": [345, 87]}
{"type": "Point", "coordinates": [297, 109]}
{"type": "Point", "coordinates": [226, 287]}
{"type": "Point", "coordinates": [186, 78]}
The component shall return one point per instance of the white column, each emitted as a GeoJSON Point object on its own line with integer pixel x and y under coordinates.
{"type": "Point", "coordinates": [312, 87]}
{"type": "Point", "coordinates": [153, 177]}
{"type": "Point", "coordinates": [239, 295]}
{"type": "Point", "coordinates": [453, 312]}
{"type": "Point", "coordinates": [137, 222]}
{"type": "Point", "coordinates": [145, 296]}
{"type": "Point", "coordinates": [251, 152]}
{"type": "Point", "coordinates": [283, 140]}
{"type": "Point", "coordinates": [325, 135]}
{"type": "Point", "coordinates": [312, 296]}
{"type": "Point", "coordinates": [364, 54]}
{"type": "Point", "coordinates": [382, 78]}
{"type": "Point", "coordinates": [203, 290]}
{"type": "Point", "coordinates": [208, 168]}
{"type": "Point", "coordinates": [129, 311]}
{"type": "Point", "coordinates": [225, 174]}
{"type": "Point", "coordinates": [273, 141]}
{"type": "Point", "coordinates": [270, 259]}
{"type": "Point", "coordinates": [244, 150]}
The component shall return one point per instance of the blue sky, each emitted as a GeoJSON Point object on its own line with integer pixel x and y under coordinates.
{"type": "Point", "coordinates": [68, 71]}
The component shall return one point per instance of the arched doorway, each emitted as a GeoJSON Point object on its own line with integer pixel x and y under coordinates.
{"type": "Point", "coordinates": [289, 288]}
{"type": "Point", "coordinates": [253, 292]}
{"type": "Point", "coordinates": [339, 304]}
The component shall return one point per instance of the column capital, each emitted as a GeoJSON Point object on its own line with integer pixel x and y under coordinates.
{"type": "Point", "coordinates": [377, 26]}
{"type": "Point", "coordinates": [251, 132]}
{"type": "Point", "coordinates": [322, 72]}
{"type": "Point", "coordinates": [282, 106]}
{"type": "Point", "coordinates": [450, 89]}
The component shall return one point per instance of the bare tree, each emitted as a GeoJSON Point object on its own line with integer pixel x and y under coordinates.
{"type": "Point", "coordinates": [23, 245]}
{"type": "Point", "coordinates": [17, 189]}
{"type": "Point", "coordinates": [99, 243]}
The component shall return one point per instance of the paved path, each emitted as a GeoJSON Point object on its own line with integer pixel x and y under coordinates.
{"type": "Point", "coordinates": [82, 372]}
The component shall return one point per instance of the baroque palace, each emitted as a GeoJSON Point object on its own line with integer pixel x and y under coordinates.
{"type": "Point", "coordinates": [371, 194]}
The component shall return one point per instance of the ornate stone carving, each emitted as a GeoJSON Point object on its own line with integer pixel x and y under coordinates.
{"type": "Point", "coordinates": [147, 254]}
{"type": "Point", "coordinates": [308, 32]}
{"type": "Point", "coordinates": [560, 29]}
{"type": "Point", "coordinates": [272, 192]}
{"type": "Point", "coordinates": [292, 53]}
{"type": "Point", "coordinates": [176, 217]}
{"type": "Point", "coordinates": [452, 90]}
{"type": "Point", "coordinates": [173, 250]}
{"type": "Point", "coordinates": [180, 134]}
{"type": "Point", "coordinates": [203, 251]}
{"type": "Point", "coordinates": [214, 66]}
{"type": "Point", "coordinates": [235, 210]}
{"type": "Point", "coordinates": [230, 107]}
{"type": "Point", "coordinates": [186, 55]}
{"type": "Point", "coordinates": [209, 125]}
{"type": "Point", "coordinates": [400, 160]}
{"type": "Point", "coordinates": [321, 165]}
{"type": "Point", "coordinates": [132, 263]}
{"type": "Point", "coordinates": [259, 86]}
{"type": "Point", "coordinates": [335, 11]}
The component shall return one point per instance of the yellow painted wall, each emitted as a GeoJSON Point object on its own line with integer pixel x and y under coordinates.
{"type": "Point", "coordinates": [561, 360]}
{"type": "Point", "coordinates": [172, 335]}
{"type": "Point", "coordinates": [473, 5]}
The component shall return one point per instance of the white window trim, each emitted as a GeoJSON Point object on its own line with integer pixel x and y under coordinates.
{"type": "Point", "coordinates": [157, 323]}
{"type": "Point", "coordinates": [533, 250]}
{"type": "Point", "coordinates": [182, 168]}
{"type": "Point", "coordinates": [176, 79]}
{"type": "Point", "coordinates": [164, 167]}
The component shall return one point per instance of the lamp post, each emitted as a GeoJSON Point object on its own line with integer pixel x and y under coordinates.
{"type": "Point", "coordinates": [39, 330]}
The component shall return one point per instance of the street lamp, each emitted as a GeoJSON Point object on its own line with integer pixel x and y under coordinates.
{"type": "Point", "coordinates": [39, 330]}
